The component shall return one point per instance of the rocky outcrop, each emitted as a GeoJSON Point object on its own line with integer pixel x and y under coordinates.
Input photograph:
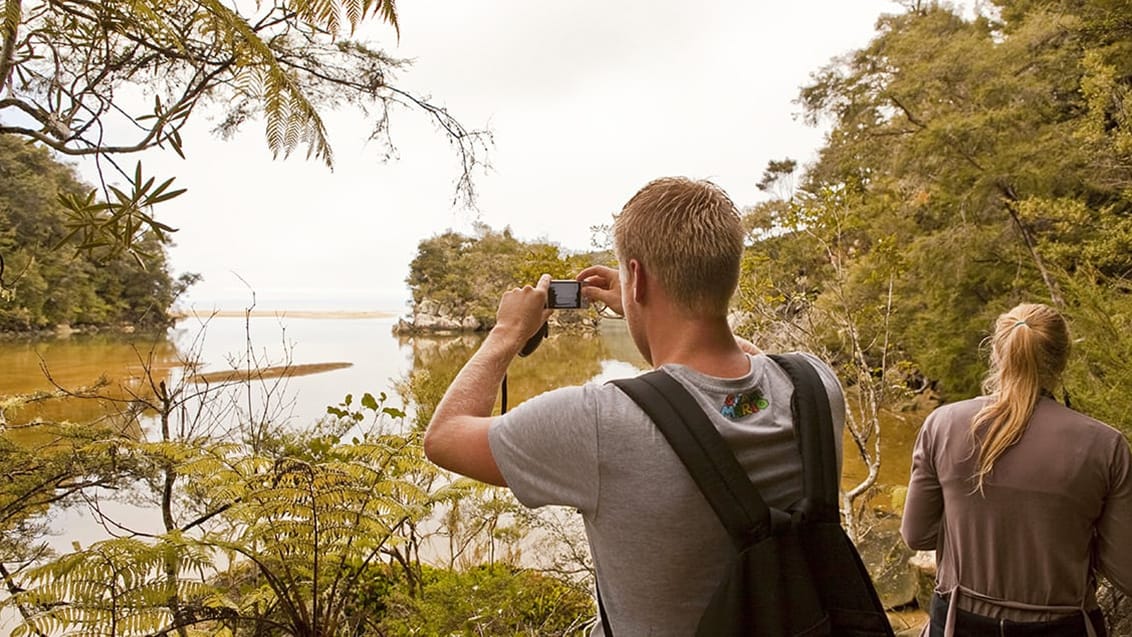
{"type": "Point", "coordinates": [886, 557]}
{"type": "Point", "coordinates": [573, 321]}
{"type": "Point", "coordinates": [923, 565]}
{"type": "Point", "coordinates": [435, 318]}
{"type": "Point", "coordinates": [432, 317]}
{"type": "Point", "coordinates": [904, 579]}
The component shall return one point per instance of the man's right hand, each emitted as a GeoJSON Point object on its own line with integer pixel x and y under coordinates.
{"type": "Point", "coordinates": [602, 283]}
{"type": "Point", "coordinates": [522, 311]}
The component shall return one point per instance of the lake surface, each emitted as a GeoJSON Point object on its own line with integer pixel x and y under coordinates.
{"type": "Point", "coordinates": [379, 361]}
{"type": "Point", "coordinates": [377, 358]}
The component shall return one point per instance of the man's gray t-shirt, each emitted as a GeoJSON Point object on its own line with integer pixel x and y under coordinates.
{"type": "Point", "coordinates": [659, 549]}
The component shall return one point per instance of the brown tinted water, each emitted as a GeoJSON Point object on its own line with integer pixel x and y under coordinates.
{"type": "Point", "coordinates": [109, 365]}
{"type": "Point", "coordinates": [899, 427]}
{"type": "Point", "coordinates": [359, 355]}
{"type": "Point", "coordinates": [378, 362]}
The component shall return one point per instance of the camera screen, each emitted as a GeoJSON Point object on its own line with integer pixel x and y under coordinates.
{"type": "Point", "coordinates": [564, 295]}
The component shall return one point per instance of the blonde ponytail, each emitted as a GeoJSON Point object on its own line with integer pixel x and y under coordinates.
{"type": "Point", "coordinates": [1029, 350]}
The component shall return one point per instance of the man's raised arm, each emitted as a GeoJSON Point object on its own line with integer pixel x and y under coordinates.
{"type": "Point", "coordinates": [456, 438]}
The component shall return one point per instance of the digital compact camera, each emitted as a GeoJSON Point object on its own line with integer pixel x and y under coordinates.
{"type": "Point", "coordinates": [565, 294]}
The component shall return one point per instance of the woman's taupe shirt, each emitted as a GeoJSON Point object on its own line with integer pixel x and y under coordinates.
{"type": "Point", "coordinates": [1057, 505]}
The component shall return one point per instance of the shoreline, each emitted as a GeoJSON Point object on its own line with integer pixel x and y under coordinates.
{"type": "Point", "coordinates": [176, 316]}
{"type": "Point", "coordinates": [294, 314]}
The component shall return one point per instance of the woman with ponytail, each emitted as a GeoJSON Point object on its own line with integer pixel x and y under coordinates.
{"type": "Point", "coordinates": [1023, 499]}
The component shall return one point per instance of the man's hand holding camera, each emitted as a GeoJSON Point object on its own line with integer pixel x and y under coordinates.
{"type": "Point", "coordinates": [522, 311]}
{"type": "Point", "coordinates": [602, 284]}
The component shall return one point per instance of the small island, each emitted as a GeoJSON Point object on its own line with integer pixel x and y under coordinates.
{"type": "Point", "coordinates": [456, 280]}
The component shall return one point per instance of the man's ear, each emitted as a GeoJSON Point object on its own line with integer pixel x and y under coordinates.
{"type": "Point", "coordinates": [637, 281]}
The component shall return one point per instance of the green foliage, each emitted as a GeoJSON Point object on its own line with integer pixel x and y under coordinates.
{"type": "Point", "coordinates": [316, 533]}
{"type": "Point", "coordinates": [490, 600]}
{"type": "Point", "coordinates": [48, 285]}
{"type": "Point", "coordinates": [1100, 319]}
{"type": "Point", "coordinates": [116, 587]}
{"type": "Point", "coordinates": [66, 461]}
{"type": "Point", "coordinates": [115, 227]}
{"type": "Point", "coordinates": [314, 516]}
{"type": "Point", "coordinates": [465, 276]}
{"type": "Point", "coordinates": [982, 162]}
{"type": "Point", "coordinates": [295, 525]}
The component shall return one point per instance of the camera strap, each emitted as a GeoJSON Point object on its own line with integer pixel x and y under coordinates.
{"type": "Point", "coordinates": [503, 397]}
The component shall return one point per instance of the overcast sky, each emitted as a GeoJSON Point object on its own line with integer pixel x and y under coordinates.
{"type": "Point", "coordinates": [587, 101]}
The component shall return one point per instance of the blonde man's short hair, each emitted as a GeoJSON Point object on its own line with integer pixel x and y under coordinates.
{"type": "Point", "coordinates": [687, 234]}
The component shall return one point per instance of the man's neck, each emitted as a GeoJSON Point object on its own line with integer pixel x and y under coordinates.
{"type": "Point", "coordinates": [705, 345]}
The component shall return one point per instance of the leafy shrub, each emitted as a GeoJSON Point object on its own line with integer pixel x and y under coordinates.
{"type": "Point", "coordinates": [489, 600]}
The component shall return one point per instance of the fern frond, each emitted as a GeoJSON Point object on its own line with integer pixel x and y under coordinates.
{"type": "Point", "coordinates": [289, 115]}
{"type": "Point", "coordinates": [12, 15]}
{"type": "Point", "coordinates": [388, 12]}
{"type": "Point", "coordinates": [155, 24]}
{"type": "Point", "coordinates": [320, 13]}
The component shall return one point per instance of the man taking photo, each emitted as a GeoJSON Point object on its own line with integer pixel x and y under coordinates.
{"type": "Point", "coordinates": [658, 548]}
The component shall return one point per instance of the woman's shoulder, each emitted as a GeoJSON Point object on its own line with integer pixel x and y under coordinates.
{"type": "Point", "coordinates": [950, 424]}
{"type": "Point", "coordinates": [1053, 414]}
{"type": "Point", "coordinates": [960, 411]}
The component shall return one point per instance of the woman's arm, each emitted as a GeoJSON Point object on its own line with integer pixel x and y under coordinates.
{"type": "Point", "coordinates": [923, 507]}
{"type": "Point", "coordinates": [1114, 527]}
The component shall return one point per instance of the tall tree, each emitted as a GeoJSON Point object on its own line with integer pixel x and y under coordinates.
{"type": "Point", "coordinates": [994, 154]}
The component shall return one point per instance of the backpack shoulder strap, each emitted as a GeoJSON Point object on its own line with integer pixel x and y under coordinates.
{"type": "Point", "coordinates": [705, 454]}
{"type": "Point", "coordinates": [813, 428]}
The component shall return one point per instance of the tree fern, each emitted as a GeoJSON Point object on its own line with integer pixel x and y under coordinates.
{"type": "Point", "coordinates": [281, 539]}
{"type": "Point", "coordinates": [115, 587]}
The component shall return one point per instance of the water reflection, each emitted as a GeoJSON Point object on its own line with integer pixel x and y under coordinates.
{"type": "Point", "coordinates": [380, 362]}
{"type": "Point", "coordinates": [413, 371]}
{"type": "Point", "coordinates": [112, 366]}
{"type": "Point", "coordinates": [562, 360]}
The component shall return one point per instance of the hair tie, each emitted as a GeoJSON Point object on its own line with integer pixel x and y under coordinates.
{"type": "Point", "coordinates": [1021, 322]}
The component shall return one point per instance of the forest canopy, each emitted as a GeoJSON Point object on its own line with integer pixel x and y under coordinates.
{"type": "Point", "coordinates": [43, 284]}
{"type": "Point", "coordinates": [972, 163]}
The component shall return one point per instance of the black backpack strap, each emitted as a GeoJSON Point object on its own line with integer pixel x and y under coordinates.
{"type": "Point", "coordinates": [813, 427]}
{"type": "Point", "coordinates": [713, 466]}
{"type": "Point", "coordinates": [705, 454]}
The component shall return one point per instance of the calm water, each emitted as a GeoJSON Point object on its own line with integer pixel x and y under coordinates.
{"type": "Point", "coordinates": [379, 362]}
{"type": "Point", "coordinates": [377, 359]}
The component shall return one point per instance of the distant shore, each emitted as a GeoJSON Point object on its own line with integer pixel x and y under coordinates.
{"type": "Point", "coordinates": [295, 314]}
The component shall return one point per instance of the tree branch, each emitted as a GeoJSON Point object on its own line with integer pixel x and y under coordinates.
{"type": "Point", "coordinates": [14, 590]}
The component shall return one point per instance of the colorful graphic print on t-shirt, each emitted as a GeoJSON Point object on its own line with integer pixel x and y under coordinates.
{"type": "Point", "coordinates": [738, 406]}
